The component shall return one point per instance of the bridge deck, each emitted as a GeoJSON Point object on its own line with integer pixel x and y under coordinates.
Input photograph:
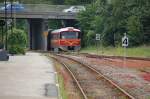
{"type": "Point", "coordinates": [42, 11]}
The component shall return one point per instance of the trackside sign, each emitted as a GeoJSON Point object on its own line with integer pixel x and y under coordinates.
{"type": "Point", "coordinates": [125, 41]}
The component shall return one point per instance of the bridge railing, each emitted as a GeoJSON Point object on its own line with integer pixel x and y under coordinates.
{"type": "Point", "coordinates": [42, 7]}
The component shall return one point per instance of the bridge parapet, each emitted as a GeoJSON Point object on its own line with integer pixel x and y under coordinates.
{"type": "Point", "coordinates": [42, 7]}
{"type": "Point", "coordinates": [42, 11]}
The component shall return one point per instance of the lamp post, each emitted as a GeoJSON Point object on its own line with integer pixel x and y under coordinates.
{"type": "Point", "coordinates": [2, 24]}
{"type": "Point", "coordinates": [2, 35]}
{"type": "Point", "coordinates": [6, 24]}
{"type": "Point", "coordinates": [12, 22]}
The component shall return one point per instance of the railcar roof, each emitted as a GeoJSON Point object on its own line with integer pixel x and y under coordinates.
{"type": "Point", "coordinates": [65, 29]}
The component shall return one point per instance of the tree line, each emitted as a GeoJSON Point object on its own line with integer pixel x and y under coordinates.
{"type": "Point", "coordinates": [113, 18]}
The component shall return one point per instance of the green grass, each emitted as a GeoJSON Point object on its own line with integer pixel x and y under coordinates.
{"type": "Point", "coordinates": [62, 88]}
{"type": "Point", "coordinates": [142, 51]}
{"type": "Point", "coordinates": [60, 80]}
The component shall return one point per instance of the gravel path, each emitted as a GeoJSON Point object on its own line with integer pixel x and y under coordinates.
{"type": "Point", "coordinates": [127, 78]}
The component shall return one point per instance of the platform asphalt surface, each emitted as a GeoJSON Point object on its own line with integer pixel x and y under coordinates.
{"type": "Point", "coordinates": [31, 76]}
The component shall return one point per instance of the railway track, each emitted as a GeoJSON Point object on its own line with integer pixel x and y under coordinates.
{"type": "Point", "coordinates": [114, 57]}
{"type": "Point", "coordinates": [92, 83]}
{"type": "Point", "coordinates": [97, 56]}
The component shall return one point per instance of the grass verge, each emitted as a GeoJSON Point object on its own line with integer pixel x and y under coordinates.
{"type": "Point", "coordinates": [142, 51]}
{"type": "Point", "coordinates": [63, 93]}
{"type": "Point", "coordinates": [62, 90]}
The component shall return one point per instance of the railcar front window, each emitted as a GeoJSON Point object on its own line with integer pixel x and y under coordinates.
{"type": "Point", "coordinates": [69, 35]}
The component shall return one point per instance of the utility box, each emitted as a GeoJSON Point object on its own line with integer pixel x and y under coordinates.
{"type": "Point", "coordinates": [4, 55]}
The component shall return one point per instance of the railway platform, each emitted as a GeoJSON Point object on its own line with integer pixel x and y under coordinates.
{"type": "Point", "coordinates": [31, 76]}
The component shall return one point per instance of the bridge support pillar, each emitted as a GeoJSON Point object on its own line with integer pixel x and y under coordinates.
{"type": "Point", "coordinates": [37, 39]}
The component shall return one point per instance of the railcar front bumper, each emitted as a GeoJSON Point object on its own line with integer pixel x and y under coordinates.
{"type": "Point", "coordinates": [69, 48]}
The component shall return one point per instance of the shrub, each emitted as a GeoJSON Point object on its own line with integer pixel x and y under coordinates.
{"type": "Point", "coordinates": [15, 49]}
{"type": "Point", "coordinates": [17, 41]}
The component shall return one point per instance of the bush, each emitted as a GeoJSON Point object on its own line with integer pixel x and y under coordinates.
{"type": "Point", "coordinates": [17, 41]}
{"type": "Point", "coordinates": [15, 49]}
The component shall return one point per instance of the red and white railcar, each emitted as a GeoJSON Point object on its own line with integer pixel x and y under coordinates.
{"type": "Point", "coordinates": [66, 39]}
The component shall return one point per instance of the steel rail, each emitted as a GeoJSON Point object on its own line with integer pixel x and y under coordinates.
{"type": "Point", "coordinates": [73, 76]}
{"type": "Point", "coordinates": [115, 57]}
{"type": "Point", "coordinates": [101, 75]}
{"type": "Point", "coordinates": [107, 56]}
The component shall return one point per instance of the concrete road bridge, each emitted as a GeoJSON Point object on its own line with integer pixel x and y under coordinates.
{"type": "Point", "coordinates": [43, 11]}
{"type": "Point", "coordinates": [37, 16]}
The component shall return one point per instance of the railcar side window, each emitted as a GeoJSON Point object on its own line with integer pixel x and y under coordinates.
{"type": "Point", "coordinates": [69, 35]}
{"type": "Point", "coordinates": [55, 36]}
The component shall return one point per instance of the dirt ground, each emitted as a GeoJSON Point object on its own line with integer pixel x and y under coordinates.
{"type": "Point", "coordinates": [142, 66]}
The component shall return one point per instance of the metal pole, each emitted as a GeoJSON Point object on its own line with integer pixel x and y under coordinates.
{"type": "Point", "coordinates": [97, 46]}
{"type": "Point", "coordinates": [2, 35]}
{"type": "Point", "coordinates": [11, 16]}
{"type": "Point", "coordinates": [6, 24]}
{"type": "Point", "coordinates": [101, 45]}
{"type": "Point", "coordinates": [125, 47]}
{"type": "Point", "coordinates": [124, 63]}
{"type": "Point", "coordinates": [14, 18]}
{"type": "Point", "coordinates": [1, 32]}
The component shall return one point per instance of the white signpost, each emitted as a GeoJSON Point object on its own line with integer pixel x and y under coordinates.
{"type": "Point", "coordinates": [98, 37]}
{"type": "Point", "coordinates": [125, 43]}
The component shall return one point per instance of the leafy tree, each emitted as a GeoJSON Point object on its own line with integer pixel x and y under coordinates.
{"type": "Point", "coordinates": [85, 19]}
{"type": "Point", "coordinates": [54, 24]}
{"type": "Point", "coordinates": [134, 30]}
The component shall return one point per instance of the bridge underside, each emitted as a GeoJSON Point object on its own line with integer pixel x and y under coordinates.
{"type": "Point", "coordinates": [37, 39]}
